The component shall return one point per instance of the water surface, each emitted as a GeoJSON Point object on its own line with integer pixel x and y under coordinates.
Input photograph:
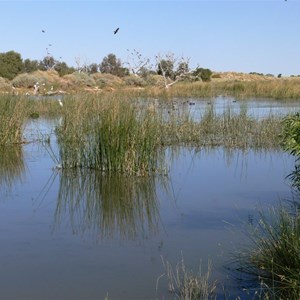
{"type": "Point", "coordinates": [82, 235]}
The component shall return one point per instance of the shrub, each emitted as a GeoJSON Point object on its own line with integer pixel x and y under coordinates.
{"type": "Point", "coordinates": [11, 64]}
{"type": "Point", "coordinates": [24, 81]}
{"type": "Point", "coordinates": [134, 81]}
{"type": "Point", "coordinates": [204, 74]}
{"type": "Point", "coordinates": [291, 134]}
{"type": "Point", "coordinates": [80, 79]}
{"type": "Point", "coordinates": [103, 80]}
{"type": "Point", "coordinates": [4, 84]}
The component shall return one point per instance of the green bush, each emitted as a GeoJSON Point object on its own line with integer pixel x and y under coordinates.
{"type": "Point", "coordinates": [11, 64]}
{"type": "Point", "coordinates": [80, 79]}
{"type": "Point", "coordinates": [204, 74]}
{"type": "Point", "coordinates": [4, 84]}
{"type": "Point", "coordinates": [134, 81]}
{"type": "Point", "coordinates": [24, 81]}
{"type": "Point", "coordinates": [291, 134]}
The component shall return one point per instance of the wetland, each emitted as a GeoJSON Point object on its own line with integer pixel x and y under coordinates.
{"type": "Point", "coordinates": [98, 193]}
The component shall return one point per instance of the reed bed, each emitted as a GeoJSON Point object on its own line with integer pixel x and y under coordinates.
{"type": "Point", "coordinates": [272, 88]}
{"type": "Point", "coordinates": [128, 135]}
{"type": "Point", "coordinates": [110, 136]}
{"type": "Point", "coordinates": [228, 129]}
{"type": "Point", "coordinates": [13, 112]}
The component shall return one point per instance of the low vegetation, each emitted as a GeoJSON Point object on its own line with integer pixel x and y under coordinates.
{"type": "Point", "coordinates": [273, 258]}
{"type": "Point", "coordinates": [115, 134]}
{"type": "Point", "coordinates": [184, 284]}
{"type": "Point", "coordinates": [13, 111]}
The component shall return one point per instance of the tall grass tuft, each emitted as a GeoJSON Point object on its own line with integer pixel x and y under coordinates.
{"type": "Point", "coordinates": [186, 285]}
{"type": "Point", "coordinates": [13, 111]}
{"type": "Point", "coordinates": [274, 256]}
{"type": "Point", "coordinates": [109, 135]}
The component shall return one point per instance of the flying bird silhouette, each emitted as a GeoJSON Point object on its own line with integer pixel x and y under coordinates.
{"type": "Point", "coordinates": [116, 30]}
{"type": "Point", "coordinates": [43, 31]}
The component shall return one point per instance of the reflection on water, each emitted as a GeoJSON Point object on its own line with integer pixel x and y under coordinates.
{"type": "Point", "coordinates": [12, 165]}
{"type": "Point", "coordinates": [107, 205]}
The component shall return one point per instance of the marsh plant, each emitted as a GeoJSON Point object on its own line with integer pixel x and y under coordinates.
{"type": "Point", "coordinates": [273, 259]}
{"type": "Point", "coordinates": [110, 136]}
{"type": "Point", "coordinates": [187, 285]}
{"type": "Point", "coordinates": [13, 111]}
{"type": "Point", "coordinates": [128, 135]}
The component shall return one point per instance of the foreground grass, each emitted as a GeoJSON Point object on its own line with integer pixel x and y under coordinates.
{"type": "Point", "coordinates": [186, 285]}
{"type": "Point", "coordinates": [273, 260]}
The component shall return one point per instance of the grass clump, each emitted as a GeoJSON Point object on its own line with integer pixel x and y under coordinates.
{"type": "Point", "coordinates": [185, 285]}
{"type": "Point", "coordinates": [274, 256]}
{"type": "Point", "coordinates": [109, 135]}
{"type": "Point", "coordinates": [24, 81]}
{"type": "Point", "coordinates": [13, 112]}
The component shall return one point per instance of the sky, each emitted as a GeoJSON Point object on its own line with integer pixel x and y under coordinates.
{"type": "Point", "coordinates": [241, 35]}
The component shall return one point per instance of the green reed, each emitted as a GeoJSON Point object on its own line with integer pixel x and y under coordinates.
{"type": "Point", "coordinates": [273, 88]}
{"type": "Point", "coordinates": [109, 135]}
{"type": "Point", "coordinates": [273, 259]}
{"type": "Point", "coordinates": [127, 135]}
{"type": "Point", "coordinates": [13, 111]}
{"type": "Point", "coordinates": [228, 129]}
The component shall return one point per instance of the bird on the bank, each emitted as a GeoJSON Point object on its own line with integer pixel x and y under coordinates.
{"type": "Point", "coordinates": [60, 102]}
{"type": "Point", "coordinates": [115, 32]}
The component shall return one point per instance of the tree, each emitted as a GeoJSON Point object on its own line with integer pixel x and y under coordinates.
{"type": "Point", "coordinates": [110, 64]}
{"type": "Point", "coordinates": [183, 68]}
{"type": "Point", "coordinates": [63, 69]}
{"type": "Point", "coordinates": [48, 63]}
{"type": "Point", "coordinates": [92, 68]}
{"type": "Point", "coordinates": [30, 65]}
{"type": "Point", "coordinates": [204, 74]}
{"type": "Point", "coordinates": [166, 65]}
{"type": "Point", "coordinates": [11, 64]}
{"type": "Point", "coordinates": [136, 62]}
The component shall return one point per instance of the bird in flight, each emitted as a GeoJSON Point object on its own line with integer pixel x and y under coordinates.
{"type": "Point", "coordinates": [116, 30]}
{"type": "Point", "coordinates": [43, 31]}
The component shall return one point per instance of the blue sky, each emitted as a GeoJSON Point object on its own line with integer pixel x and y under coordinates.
{"type": "Point", "coordinates": [244, 36]}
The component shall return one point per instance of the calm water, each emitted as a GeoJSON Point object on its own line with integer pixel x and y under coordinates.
{"type": "Point", "coordinates": [67, 235]}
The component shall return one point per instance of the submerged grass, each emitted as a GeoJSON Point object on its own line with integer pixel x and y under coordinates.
{"type": "Point", "coordinates": [186, 285]}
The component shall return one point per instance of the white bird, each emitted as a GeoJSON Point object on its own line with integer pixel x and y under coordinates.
{"type": "Point", "coordinates": [60, 102]}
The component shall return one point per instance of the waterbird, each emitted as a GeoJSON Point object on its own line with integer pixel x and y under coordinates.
{"type": "Point", "coordinates": [60, 102]}
{"type": "Point", "coordinates": [116, 30]}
